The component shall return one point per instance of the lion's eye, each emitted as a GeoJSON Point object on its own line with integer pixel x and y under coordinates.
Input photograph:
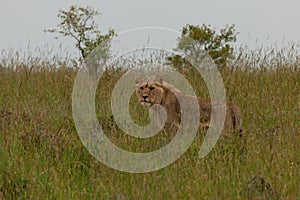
{"type": "Point", "coordinates": [152, 88]}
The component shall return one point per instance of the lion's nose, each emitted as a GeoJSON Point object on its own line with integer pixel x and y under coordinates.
{"type": "Point", "coordinates": [145, 96]}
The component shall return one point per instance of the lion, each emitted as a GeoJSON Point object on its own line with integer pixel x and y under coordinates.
{"type": "Point", "coordinates": [155, 90]}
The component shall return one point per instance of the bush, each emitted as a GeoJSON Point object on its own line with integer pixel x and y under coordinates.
{"type": "Point", "coordinates": [79, 24]}
{"type": "Point", "coordinates": [196, 39]}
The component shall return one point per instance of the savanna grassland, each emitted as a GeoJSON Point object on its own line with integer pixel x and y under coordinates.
{"type": "Point", "coordinates": [42, 157]}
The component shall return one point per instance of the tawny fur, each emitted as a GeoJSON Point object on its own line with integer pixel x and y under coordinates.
{"type": "Point", "coordinates": [156, 91]}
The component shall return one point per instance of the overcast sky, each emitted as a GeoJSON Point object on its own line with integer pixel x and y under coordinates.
{"type": "Point", "coordinates": [258, 21]}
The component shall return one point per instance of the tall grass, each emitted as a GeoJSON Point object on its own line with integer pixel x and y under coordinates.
{"type": "Point", "coordinates": [42, 156]}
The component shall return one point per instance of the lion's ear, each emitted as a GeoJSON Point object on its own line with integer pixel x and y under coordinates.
{"type": "Point", "coordinates": [138, 80]}
{"type": "Point", "coordinates": [158, 79]}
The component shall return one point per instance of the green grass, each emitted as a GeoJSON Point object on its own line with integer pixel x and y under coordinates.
{"type": "Point", "coordinates": [42, 157]}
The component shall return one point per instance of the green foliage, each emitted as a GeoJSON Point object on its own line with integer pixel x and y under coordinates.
{"type": "Point", "coordinates": [79, 24]}
{"type": "Point", "coordinates": [196, 39]}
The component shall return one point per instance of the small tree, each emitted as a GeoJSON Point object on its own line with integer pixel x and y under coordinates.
{"type": "Point", "coordinates": [196, 39]}
{"type": "Point", "coordinates": [79, 24]}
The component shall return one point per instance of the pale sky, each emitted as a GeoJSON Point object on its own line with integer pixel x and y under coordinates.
{"type": "Point", "coordinates": [258, 21]}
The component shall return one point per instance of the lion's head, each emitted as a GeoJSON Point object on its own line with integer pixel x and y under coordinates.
{"type": "Point", "coordinates": [149, 91]}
